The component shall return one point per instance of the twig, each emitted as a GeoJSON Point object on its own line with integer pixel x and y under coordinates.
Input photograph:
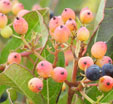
{"type": "Point", "coordinates": [92, 84]}
{"type": "Point", "coordinates": [47, 91]}
{"type": "Point", "coordinates": [86, 97]}
{"type": "Point", "coordinates": [38, 55]}
{"type": "Point", "coordinates": [25, 42]}
{"type": "Point", "coordinates": [56, 56]}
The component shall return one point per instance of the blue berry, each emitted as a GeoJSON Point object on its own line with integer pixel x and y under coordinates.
{"type": "Point", "coordinates": [107, 69]}
{"type": "Point", "coordinates": [93, 72]}
{"type": "Point", "coordinates": [3, 97]}
{"type": "Point", "coordinates": [51, 14]}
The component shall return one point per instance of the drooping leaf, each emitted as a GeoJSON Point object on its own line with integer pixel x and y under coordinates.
{"type": "Point", "coordinates": [17, 77]}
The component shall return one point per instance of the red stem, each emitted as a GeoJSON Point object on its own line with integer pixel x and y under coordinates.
{"type": "Point", "coordinates": [74, 74]}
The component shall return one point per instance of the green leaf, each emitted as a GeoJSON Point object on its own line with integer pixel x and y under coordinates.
{"type": "Point", "coordinates": [2, 89]}
{"type": "Point", "coordinates": [36, 24]}
{"type": "Point", "coordinates": [63, 98]}
{"type": "Point", "coordinates": [93, 93]}
{"type": "Point", "coordinates": [105, 31]}
{"type": "Point", "coordinates": [98, 20]}
{"type": "Point", "coordinates": [17, 77]}
{"type": "Point", "coordinates": [12, 94]}
{"type": "Point", "coordinates": [108, 97]}
{"type": "Point", "coordinates": [54, 89]}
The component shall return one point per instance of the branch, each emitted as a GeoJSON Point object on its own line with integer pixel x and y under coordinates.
{"type": "Point", "coordinates": [74, 74]}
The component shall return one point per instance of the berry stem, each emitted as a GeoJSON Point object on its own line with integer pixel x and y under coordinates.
{"type": "Point", "coordinates": [16, 36]}
{"type": "Point", "coordinates": [39, 56]}
{"type": "Point", "coordinates": [86, 97]}
{"type": "Point", "coordinates": [47, 91]}
{"type": "Point", "coordinates": [25, 42]}
{"type": "Point", "coordinates": [56, 56]}
{"type": "Point", "coordinates": [93, 84]}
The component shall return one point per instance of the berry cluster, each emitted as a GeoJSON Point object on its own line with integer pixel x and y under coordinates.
{"type": "Point", "coordinates": [61, 29]}
{"type": "Point", "coordinates": [102, 69]}
{"type": "Point", "coordinates": [17, 9]}
{"type": "Point", "coordinates": [67, 35]}
{"type": "Point", "coordinates": [45, 70]}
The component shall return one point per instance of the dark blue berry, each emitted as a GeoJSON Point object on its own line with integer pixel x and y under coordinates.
{"type": "Point", "coordinates": [93, 73]}
{"type": "Point", "coordinates": [3, 97]}
{"type": "Point", "coordinates": [107, 69]}
{"type": "Point", "coordinates": [51, 14]}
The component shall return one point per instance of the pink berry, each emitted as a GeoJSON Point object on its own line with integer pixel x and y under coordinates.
{"type": "Point", "coordinates": [68, 56]}
{"type": "Point", "coordinates": [54, 23]}
{"type": "Point", "coordinates": [3, 20]}
{"type": "Point", "coordinates": [36, 7]}
{"type": "Point", "coordinates": [104, 60]}
{"type": "Point", "coordinates": [35, 85]}
{"type": "Point", "coordinates": [83, 34]}
{"type": "Point", "coordinates": [59, 74]}
{"type": "Point", "coordinates": [44, 69]}
{"type": "Point", "coordinates": [99, 49]}
{"type": "Point", "coordinates": [5, 6]}
{"type": "Point", "coordinates": [71, 24]}
{"type": "Point", "coordinates": [85, 62]}
{"type": "Point", "coordinates": [86, 16]}
{"type": "Point", "coordinates": [105, 83]}
{"type": "Point", "coordinates": [22, 12]}
{"type": "Point", "coordinates": [14, 57]}
{"type": "Point", "coordinates": [61, 34]}
{"type": "Point", "coordinates": [67, 14]}
{"type": "Point", "coordinates": [17, 8]}
{"type": "Point", "coordinates": [20, 25]}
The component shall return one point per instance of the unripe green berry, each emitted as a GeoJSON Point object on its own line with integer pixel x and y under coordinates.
{"type": "Point", "coordinates": [6, 32]}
